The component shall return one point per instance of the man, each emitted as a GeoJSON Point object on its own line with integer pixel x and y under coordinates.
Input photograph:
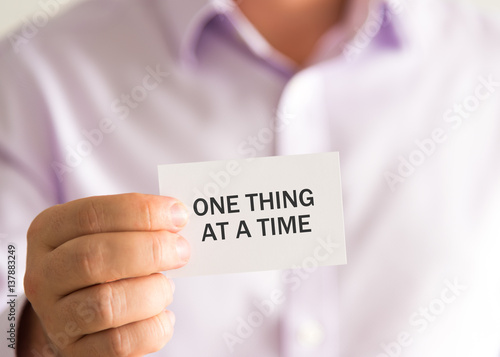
{"type": "Point", "coordinates": [407, 93]}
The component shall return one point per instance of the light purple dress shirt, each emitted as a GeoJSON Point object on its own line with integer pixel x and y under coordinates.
{"type": "Point", "coordinates": [408, 93]}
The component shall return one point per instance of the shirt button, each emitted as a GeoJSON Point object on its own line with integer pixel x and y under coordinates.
{"type": "Point", "coordinates": [310, 334]}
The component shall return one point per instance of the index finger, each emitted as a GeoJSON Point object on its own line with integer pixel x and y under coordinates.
{"type": "Point", "coordinates": [101, 214]}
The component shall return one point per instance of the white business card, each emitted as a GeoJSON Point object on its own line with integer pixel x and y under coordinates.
{"type": "Point", "coordinates": [259, 214]}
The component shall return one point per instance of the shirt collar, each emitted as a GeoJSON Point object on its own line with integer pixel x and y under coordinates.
{"type": "Point", "coordinates": [380, 25]}
{"type": "Point", "coordinates": [381, 20]}
{"type": "Point", "coordinates": [200, 15]}
{"type": "Point", "coordinates": [191, 21]}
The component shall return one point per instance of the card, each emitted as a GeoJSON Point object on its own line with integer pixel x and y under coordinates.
{"type": "Point", "coordinates": [258, 214]}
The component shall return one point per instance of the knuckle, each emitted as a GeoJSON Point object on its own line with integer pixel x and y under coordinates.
{"type": "Point", "coordinates": [67, 312]}
{"type": "Point", "coordinates": [73, 316]}
{"type": "Point", "coordinates": [90, 217]}
{"type": "Point", "coordinates": [120, 344]}
{"type": "Point", "coordinates": [41, 221]}
{"type": "Point", "coordinates": [110, 304]}
{"type": "Point", "coordinates": [89, 260]}
{"type": "Point", "coordinates": [157, 249]}
{"type": "Point", "coordinates": [147, 211]}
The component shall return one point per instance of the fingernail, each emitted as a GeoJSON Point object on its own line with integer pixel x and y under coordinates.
{"type": "Point", "coordinates": [172, 285]}
{"type": "Point", "coordinates": [178, 215]}
{"type": "Point", "coordinates": [183, 249]}
{"type": "Point", "coordinates": [171, 316]}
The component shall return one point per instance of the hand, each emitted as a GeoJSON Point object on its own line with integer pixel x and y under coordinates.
{"type": "Point", "coordinates": [93, 279]}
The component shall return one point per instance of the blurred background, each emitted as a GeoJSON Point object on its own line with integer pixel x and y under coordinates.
{"type": "Point", "coordinates": [14, 12]}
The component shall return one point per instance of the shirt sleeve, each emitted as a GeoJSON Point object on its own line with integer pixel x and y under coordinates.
{"type": "Point", "coordinates": [28, 184]}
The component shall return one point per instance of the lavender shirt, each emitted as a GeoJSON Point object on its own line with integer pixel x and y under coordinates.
{"type": "Point", "coordinates": [408, 93]}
